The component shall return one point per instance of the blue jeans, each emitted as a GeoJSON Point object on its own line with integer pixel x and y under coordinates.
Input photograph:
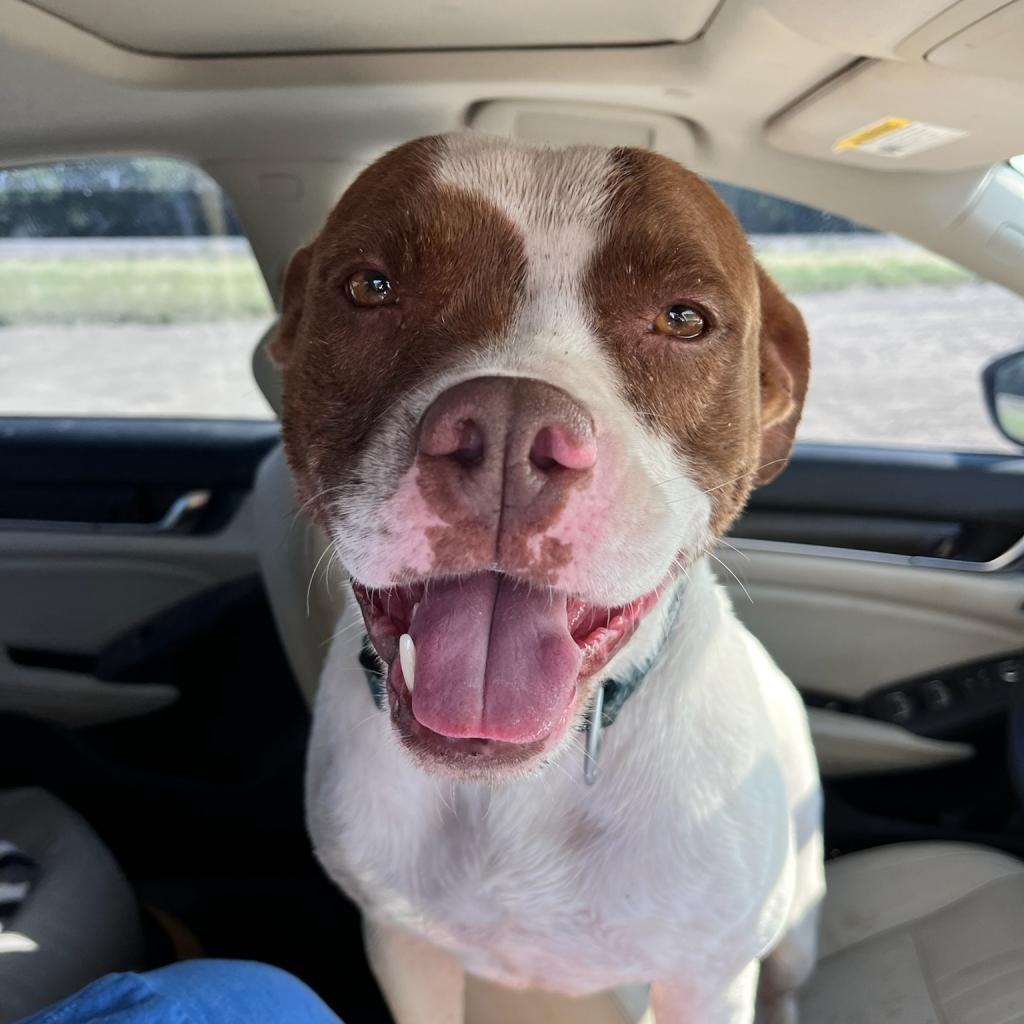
{"type": "Point", "coordinates": [194, 992]}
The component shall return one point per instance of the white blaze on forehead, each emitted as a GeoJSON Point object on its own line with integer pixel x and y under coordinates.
{"type": "Point", "coordinates": [556, 198]}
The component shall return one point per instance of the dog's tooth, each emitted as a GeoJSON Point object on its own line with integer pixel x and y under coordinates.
{"type": "Point", "coordinates": [413, 613]}
{"type": "Point", "coordinates": [407, 655]}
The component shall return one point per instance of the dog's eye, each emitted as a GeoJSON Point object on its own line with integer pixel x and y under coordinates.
{"type": "Point", "coordinates": [681, 322]}
{"type": "Point", "coordinates": [371, 288]}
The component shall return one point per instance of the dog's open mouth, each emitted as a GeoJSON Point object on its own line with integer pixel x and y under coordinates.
{"type": "Point", "coordinates": [487, 667]}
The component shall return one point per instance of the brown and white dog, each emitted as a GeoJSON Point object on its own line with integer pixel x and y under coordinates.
{"type": "Point", "coordinates": [526, 391]}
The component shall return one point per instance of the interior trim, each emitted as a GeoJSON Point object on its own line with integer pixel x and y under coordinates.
{"type": "Point", "coordinates": [912, 483]}
{"type": "Point", "coordinates": [32, 27]}
{"type": "Point", "coordinates": [76, 16]}
{"type": "Point", "coordinates": [1009, 561]}
{"type": "Point", "coordinates": [850, 745]}
{"type": "Point", "coordinates": [76, 699]}
{"type": "Point", "coordinates": [181, 512]}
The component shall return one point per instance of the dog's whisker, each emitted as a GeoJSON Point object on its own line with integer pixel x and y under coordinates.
{"type": "Point", "coordinates": [732, 547]}
{"type": "Point", "coordinates": [309, 589]}
{"type": "Point", "coordinates": [576, 745]}
{"type": "Point", "coordinates": [344, 631]}
{"type": "Point", "coordinates": [304, 506]}
{"type": "Point", "coordinates": [733, 575]}
{"type": "Point", "coordinates": [725, 483]}
{"type": "Point", "coordinates": [363, 721]}
{"type": "Point", "coordinates": [678, 563]}
{"type": "Point", "coordinates": [440, 796]}
{"type": "Point", "coordinates": [555, 762]}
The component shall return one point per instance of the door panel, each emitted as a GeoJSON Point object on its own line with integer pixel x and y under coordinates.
{"type": "Point", "coordinates": [76, 698]}
{"type": "Point", "coordinates": [842, 626]}
{"type": "Point", "coordinates": [850, 746]}
{"type": "Point", "coordinates": [73, 592]}
{"type": "Point", "coordinates": [862, 568]}
{"type": "Point", "coordinates": [94, 541]}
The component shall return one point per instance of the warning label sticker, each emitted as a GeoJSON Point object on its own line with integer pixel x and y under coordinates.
{"type": "Point", "coordinates": [897, 137]}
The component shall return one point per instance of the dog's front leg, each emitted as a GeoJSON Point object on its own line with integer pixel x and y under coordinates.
{"type": "Point", "coordinates": [688, 1001]}
{"type": "Point", "coordinates": [421, 983]}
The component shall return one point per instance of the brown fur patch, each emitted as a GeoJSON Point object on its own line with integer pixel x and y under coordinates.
{"type": "Point", "coordinates": [785, 374]}
{"type": "Point", "coordinates": [457, 264]}
{"type": "Point", "coordinates": [728, 401]}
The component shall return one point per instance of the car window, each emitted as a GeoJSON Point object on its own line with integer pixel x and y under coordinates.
{"type": "Point", "coordinates": [126, 289]}
{"type": "Point", "coordinates": [899, 335]}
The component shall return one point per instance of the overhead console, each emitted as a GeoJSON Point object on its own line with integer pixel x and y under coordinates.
{"type": "Point", "coordinates": [941, 88]}
{"type": "Point", "coordinates": [566, 123]}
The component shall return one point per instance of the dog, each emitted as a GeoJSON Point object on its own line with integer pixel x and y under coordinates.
{"type": "Point", "coordinates": [525, 392]}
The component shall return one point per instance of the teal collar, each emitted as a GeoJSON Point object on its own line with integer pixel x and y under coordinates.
{"type": "Point", "coordinates": [612, 696]}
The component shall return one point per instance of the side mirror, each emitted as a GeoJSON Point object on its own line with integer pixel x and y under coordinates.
{"type": "Point", "coordinates": [1003, 381]}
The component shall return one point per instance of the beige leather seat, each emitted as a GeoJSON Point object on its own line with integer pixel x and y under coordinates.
{"type": "Point", "coordinates": [80, 920]}
{"type": "Point", "coordinates": [916, 933]}
{"type": "Point", "coordinates": [920, 933]}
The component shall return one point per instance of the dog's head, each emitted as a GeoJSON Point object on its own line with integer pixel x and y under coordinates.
{"type": "Point", "coordinates": [524, 389]}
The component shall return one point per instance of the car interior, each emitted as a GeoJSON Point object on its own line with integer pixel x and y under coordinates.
{"type": "Point", "coordinates": [165, 607]}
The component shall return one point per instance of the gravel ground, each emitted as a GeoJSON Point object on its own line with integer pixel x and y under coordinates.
{"type": "Point", "coordinates": [132, 370]}
{"type": "Point", "coordinates": [891, 366]}
{"type": "Point", "coordinates": [902, 365]}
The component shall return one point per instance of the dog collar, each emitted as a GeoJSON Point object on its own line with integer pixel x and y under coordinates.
{"type": "Point", "coordinates": [612, 696]}
{"type": "Point", "coordinates": [375, 678]}
{"type": "Point", "coordinates": [609, 700]}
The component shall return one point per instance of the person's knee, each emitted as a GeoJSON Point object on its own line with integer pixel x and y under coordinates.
{"type": "Point", "coordinates": [193, 992]}
{"type": "Point", "coordinates": [223, 991]}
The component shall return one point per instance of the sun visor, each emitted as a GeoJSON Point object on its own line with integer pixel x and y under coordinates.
{"type": "Point", "coordinates": [893, 116]}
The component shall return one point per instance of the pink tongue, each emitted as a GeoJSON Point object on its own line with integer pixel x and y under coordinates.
{"type": "Point", "coordinates": [494, 659]}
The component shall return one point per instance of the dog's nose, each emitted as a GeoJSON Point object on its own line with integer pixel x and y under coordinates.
{"type": "Point", "coordinates": [513, 438]}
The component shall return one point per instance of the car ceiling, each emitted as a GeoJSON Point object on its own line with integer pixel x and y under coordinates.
{"type": "Point", "coordinates": [283, 102]}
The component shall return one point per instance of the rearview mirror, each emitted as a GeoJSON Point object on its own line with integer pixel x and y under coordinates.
{"type": "Point", "coordinates": [1003, 380]}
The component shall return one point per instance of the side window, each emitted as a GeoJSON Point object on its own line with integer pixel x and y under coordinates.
{"type": "Point", "coordinates": [126, 289]}
{"type": "Point", "coordinates": [899, 335]}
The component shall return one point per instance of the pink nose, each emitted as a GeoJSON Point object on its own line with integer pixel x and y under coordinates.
{"type": "Point", "coordinates": [508, 440]}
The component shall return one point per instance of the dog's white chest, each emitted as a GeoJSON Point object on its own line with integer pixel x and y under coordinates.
{"type": "Point", "coordinates": [575, 897]}
{"type": "Point", "coordinates": [678, 856]}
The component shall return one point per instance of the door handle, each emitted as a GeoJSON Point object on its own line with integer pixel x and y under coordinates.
{"type": "Point", "coordinates": [184, 510]}
{"type": "Point", "coordinates": [182, 513]}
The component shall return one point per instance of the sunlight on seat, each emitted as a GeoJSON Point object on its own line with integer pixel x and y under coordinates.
{"type": "Point", "coordinates": [15, 942]}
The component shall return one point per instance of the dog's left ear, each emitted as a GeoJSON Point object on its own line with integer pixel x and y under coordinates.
{"type": "Point", "coordinates": [785, 369]}
{"type": "Point", "coordinates": [293, 297]}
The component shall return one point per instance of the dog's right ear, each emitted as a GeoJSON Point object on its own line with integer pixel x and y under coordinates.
{"type": "Point", "coordinates": [293, 298]}
{"type": "Point", "coordinates": [785, 366]}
